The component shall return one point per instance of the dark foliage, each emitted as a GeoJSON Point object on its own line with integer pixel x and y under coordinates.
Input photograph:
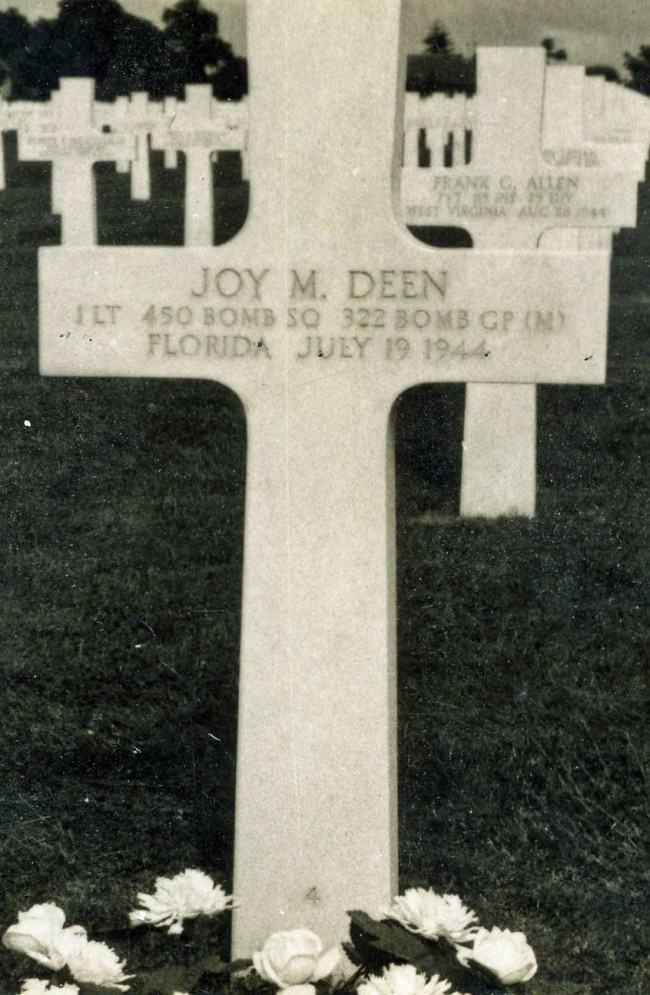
{"type": "Point", "coordinates": [379, 944]}
{"type": "Point", "coordinates": [426, 74]}
{"type": "Point", "coordinates": [611, 75]}
{"type": "Point", "coordinates": [553, 53]}
{"type": "Point", "coordinates": [437, 41]}
{"type": "Point", "coordinates": [638, 66]}
{"type": "Point", "coordinates": [191, 33]}
{"type": "Point", "coordinates": [122, 52]}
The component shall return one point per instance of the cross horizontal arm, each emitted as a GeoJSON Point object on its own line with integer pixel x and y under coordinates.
{"type": "Point", "coordinates": [390, 321]}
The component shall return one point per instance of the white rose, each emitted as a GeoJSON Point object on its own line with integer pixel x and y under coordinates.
{"type": "Point", "coordinates": [507, 955]}
{"type": "Point", "coordinates": [39, 933]}
{"type": "Point", "coordinates": [403, 979]}
{"type": "Point", "coordinates": [185, 896]}
{"type": "Point", "coordinates": [96, 964]}
{"type": "Point", "coordinates": [293, 959]}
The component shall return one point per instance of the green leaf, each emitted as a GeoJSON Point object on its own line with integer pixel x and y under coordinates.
{"type": "Point", "coordinates": [166, 981]}
{"type": "Point", "coordinates": [213, 964]}
{"type": "Point", "coordinates": [390, 938]}
{"type": "Point", "coordinates": [236, 965]}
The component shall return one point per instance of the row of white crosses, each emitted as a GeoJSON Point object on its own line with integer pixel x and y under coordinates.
{"type": "Point", "coordinates": [315, 315]}
{"type": "Point", "coordinates": [70, 131]}
{"type": "Point", "coordinates": [16, 115]}
{"type": "Point", "coordinates": [45, 126]}
{"type": "Point", "coordinates": [201, 120]}
{"type": "Point", "coordinates": [612, 113]}
{"type": "Point", "coordinates": [137, 116]}
{"type": "Point", "coordinates": [443, 123]}
{"type": "Point", "coordinates": [542, 156]}
{"type": "Point", "coordinates": [198, 127]}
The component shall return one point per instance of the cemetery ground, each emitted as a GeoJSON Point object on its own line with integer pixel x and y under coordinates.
{"type": "Point", "coordinates": [521, 684]}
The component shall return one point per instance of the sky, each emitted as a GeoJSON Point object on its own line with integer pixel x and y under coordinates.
{"type": "Point", "coordinates": [592, 31]}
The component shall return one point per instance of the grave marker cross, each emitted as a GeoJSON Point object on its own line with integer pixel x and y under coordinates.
{"type": "Point", "coordinates": [308, 314]}
{"type": "Point", "coordinates": [196, 129]}
{"type": "Point", "coordinates": [74, 145]}
{"type": "Point", "coordinates": [135, 116]}
{"type": "Point", "coordinates": [532, 180]}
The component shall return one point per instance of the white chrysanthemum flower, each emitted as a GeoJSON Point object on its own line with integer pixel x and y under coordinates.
{"type": "Point", "coordinates": [96, 964]}
{"type": "Point", "coordinates": [433, 916]}
{"type": "Point", "coordinates": [403, 979]}
{"type": "Point", "coordinates": [36, 986]}
{"type": "Point", "coordinates": [185, 896]}
{"type": "Point", "coordinates": [39, 933]}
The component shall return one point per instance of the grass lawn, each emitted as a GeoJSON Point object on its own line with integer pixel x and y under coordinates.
{"type": "Point", "coordinates": [522, 689]}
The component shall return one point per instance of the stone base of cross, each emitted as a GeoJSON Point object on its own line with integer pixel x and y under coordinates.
{"type": "Point", "coordinates": [315, 316]}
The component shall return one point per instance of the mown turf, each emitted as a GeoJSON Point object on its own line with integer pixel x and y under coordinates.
{"type": "Point", "coordinates": [522, 760]}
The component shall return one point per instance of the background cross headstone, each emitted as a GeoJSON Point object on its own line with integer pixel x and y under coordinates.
{"type": "Point", "coordinates": [115, 115]}
{"type": "Point", "coordinates": [136, 116]}
{"type": "Point", "coordinates": [73, 143]}
{"type": "Point", "coordinates": [198, 127]}
{"type": "Point", "coordinates": [316, 315]}
{"type": "Point", "coordinates": [523, 182]}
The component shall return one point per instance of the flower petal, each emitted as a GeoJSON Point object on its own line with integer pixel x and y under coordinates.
{"type": "Point", "coordinates": [327, 963]}
{"type": "Point", "coordinates": [300, 990]}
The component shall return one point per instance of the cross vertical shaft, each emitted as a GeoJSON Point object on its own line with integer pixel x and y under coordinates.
{"type": "Point", "coordinates": [316, 789]}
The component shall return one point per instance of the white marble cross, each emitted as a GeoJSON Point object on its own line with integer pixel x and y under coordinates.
{"type": "Point", "coordinates": [142, 117]}
{"type": "Point", "coordinates": [319, 314]}
{"type": "Point", "coordinates": [136, 116]}
{"type": "Point", "coordinates": [116, 116]}
{"type": "Point", "coordinates": [73, 142]}
{"type": "Point", "coordinates": [43, 118]}
{"type": "Point", "coordinates": [198, 129]}
{"type": "Point", "coordinates": [534, 178]}
{"type": "Point", "coordinates": [614, 113]}
{"type": "Point", "coordinates": [22, 114]}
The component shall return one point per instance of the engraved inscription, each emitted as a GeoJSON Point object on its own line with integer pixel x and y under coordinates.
{"type": "Point", "coordinates": [359, 315]}
{"type": "Point", "coordinates": [572, 157]}
{"type": "Point", "coordinates": [404, 284]}
{"type": "Point", "coordinates": [554, 196]}
{"type": "Point", "coordinates": [230, 282]}
{"type": "Point", "coordinates": [396, 319]}
{"type": "Point", "coordinates": [167, 344]}
{"type": "Point", "coordinates": [51, 146]}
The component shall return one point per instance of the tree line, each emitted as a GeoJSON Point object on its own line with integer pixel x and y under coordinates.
{"type": "Point", "coordinates": [438, 42]}
{"type": "Point", "coordinates": [125, 53]}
